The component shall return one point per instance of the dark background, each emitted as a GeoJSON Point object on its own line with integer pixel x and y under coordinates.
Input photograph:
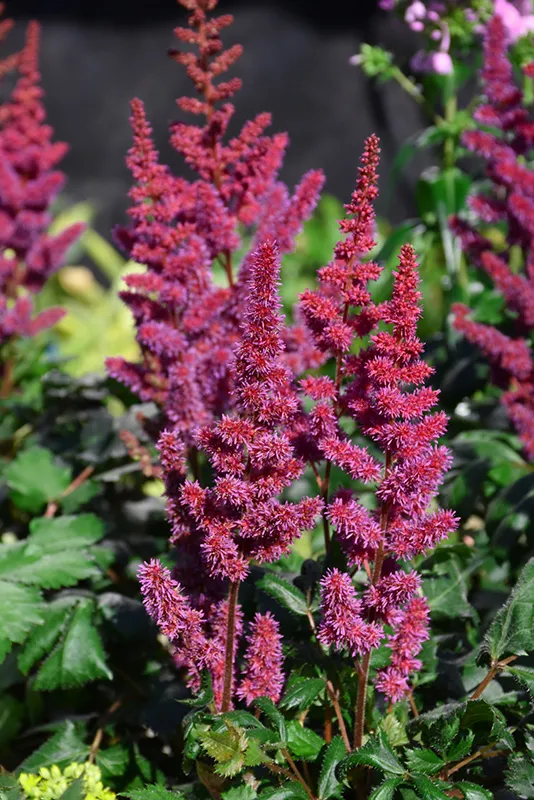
{"type": "Point", "coordinates": [97, 55]}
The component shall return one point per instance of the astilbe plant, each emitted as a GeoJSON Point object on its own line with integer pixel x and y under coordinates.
{"type": "Point", "coordinates": [276, 427]}
{"type": "Point", "coordinates": [29, 183]}
{"type": "Point", "coordinates": [505, 142]}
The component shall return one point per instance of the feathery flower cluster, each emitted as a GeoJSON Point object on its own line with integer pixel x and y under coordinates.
{"type": "Point", "coordinates": [273, 421]}
{"type": "Point", "coordinates": [186, 323]}
{"type": "Point", "coordinates": [510, 202]}
{"type": "Point", "coordinates": [199, 643]}
{"type": "Point", "coordinates": [373, 387]}
{"type": "Point", "coordinates": [28, 186]}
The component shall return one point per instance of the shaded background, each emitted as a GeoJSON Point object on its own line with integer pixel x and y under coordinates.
{"type": "Point", "coordinates": [97, 55]}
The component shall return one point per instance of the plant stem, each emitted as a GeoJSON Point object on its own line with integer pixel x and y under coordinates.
{"type": "Point", "coordinates": [363, 676]}
{"type": "Point", "coordinates": [339, 716]}
{"type": "Point", "coordinates": [233, 591]}
{"type": "Point", "coordinates": [485, 752]}
{"type": "Point", "coordinates": [7, 379]}
{"type": "Point", "coordinates": [298, 774]}
{"type": "Point", "coordinates": [492, 672]}
{"type": "Point", "coordinates": [449, 144]}
{"type": "Point", "coordinates": [86, 473]}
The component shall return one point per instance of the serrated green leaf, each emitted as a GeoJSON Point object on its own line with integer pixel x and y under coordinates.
{"type": "Point", "coordinates": [204, 696]}
{"type": "Point", "coordinates": [386, 790]}
{"type": "Point", "coordinates": [21, 563]}
{"type": "Point", "coordinates": [328, 785]}
{"type": "Point", "coordinates": [64, 747]}
{"type": "Point", "coordinates": [376, 753]}
{"type": "Point", "coordinates": [427, 789]}
{"type": "Point", "coordinates": [425, 761]}
{"type": "Point", "coordinates": [447, 596]}
{"type": "Point", "coordinates": [525, 676]}
{"type": "Point", "coordinates": [79, 657]}
{"type": "Point", "coordinates": [485, 715]}
{"type": "Point", "coordinates": [20, 610]}
{"type": "Point", "coordinates": [244, 792]}
{"type": "Point", "coordinates": [227, 749]}
{"type": "Point", "coordinates": [255, 755]}
{"type": "Point", "coordinates": [302, 692]}
{"type": "Point", "coordinates": [112, 761]}
{"type": "Point", "coordinates": [302, 742]}
{"type": "Point", "coordinates": [34, 479]}
{"type": "Point", "coordinates": [460, 749]}
{"type": "Point", "coordinates": [520, 776]}
{"type": "Point", "coordinates": [43, 637]}
{"type": "Point", "coordinates": [511, 632]}
{"type": "Point", "coordinates": [286, 593]}
{"type": "Point", "coordinates": [68, 532]}
{"type": "Point", "coordinates": [154, 792]}
{"type": "Point", "coordinates": [473, 792]}
{"type": "Point", "coordinates": [268, 708]}
{"type": "Point", "coordinates": [76, 790]}
{"type": "Point", "coordinates": [291, 791]}
{"type": "Point", "coordinates": [242, 718]}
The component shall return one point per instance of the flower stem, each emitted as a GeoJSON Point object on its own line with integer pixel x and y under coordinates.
{"type": "Point", "coordinates": [339, 716]}
{"type": "Point", "coordinates": [492, 673]}
{"type": "Point", "coordinates": [233, 591]}
{"type": "Point", "coordinates": [298, 774]}
{"type": "Point", "coordinates": [363, 677]}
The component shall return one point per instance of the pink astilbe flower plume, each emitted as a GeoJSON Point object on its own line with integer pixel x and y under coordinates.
{"type": "Point", "coordinates": [510, 201]}
{"type": "Point", "coordinates": [186, 325]}
{"type": "Point", "coordinates": [263, 674]}
{"type": "Point", "coordinates": [28, 186]}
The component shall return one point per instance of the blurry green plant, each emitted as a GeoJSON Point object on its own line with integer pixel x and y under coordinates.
{"type": "Point", "coordinates": [97, 323]}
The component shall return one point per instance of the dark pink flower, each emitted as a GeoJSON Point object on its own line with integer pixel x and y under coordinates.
{"type": "Point", "coordinates": [263, 674]}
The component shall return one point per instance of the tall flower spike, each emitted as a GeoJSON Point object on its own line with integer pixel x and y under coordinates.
{"type": "Point", "coordinates": [28, 186]}
{"type": "Point", "coordinates": [510, 201]}
{"type": "Point", "coordinates": [263, 674]}
{"type": "Point", "coordinates": [186, 325]}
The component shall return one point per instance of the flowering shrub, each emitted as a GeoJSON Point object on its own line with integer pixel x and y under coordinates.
{"type": "Point", "coordinates": [347, 605]}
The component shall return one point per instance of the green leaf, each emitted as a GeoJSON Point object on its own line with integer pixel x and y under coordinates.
{"type": "Point", "coordinates": [62, 748]}
{"type": "Point", "coordinates": [328, 785]}
{"type": "Point", "coordinates": [376, 753]}
{"type": "Point", "coordinates": [427, 789]}
{"type": "Point", "coordinates": [302, 692]}
{"type": "Point", "coordinates": [20, 610]}
{"type": "Point", "coordinates": [386, 790]}
{"type": "Point", "coordinates": [12, 713]}
{"type": "Point", "coordinates": [473, 792]}
{"type": "Point", "coordinates": [76, 790]}
{"type": "Point", "coordinates": [34, 479]}
{"type": "Point", "coordinates": [227, 749]}
{"type": "Point", "coordinates": [525, 676]}
{"type": "Point", "coordinates": [27, 564]}
{"type": "Point", "coordinates": [154, 792]}
{"type": "Point", "coordinates": [512, 629]}
{"type": "Point", "coordinates": [242, 718]}
{"type": "Point", "coordinates": [113, 761]}
{"type": "Point", "coordinates": [285, 593]}
{"type": "Point", "coordinates": [268, 708]}
{"type": "Point", "coordinates": [487, 716]}
{"type": "Point", "coordinates": [425, 761]}
{"type": "Point", "coordinates": [43, 637]}
{"type": "Point", "coordinates": [520, 776]}
{"type": "Point", "coordinates": [303, 742]}
{"type": "Point", "coordinates": [205, 696]}
{"type": "Point", "coordinates": [447, 596]}
{"type": "Point", "coordinates": [55, 534]}
{"type": "Point", "coordinates": [244, 792]}
{"type": "Point", "coordinates": [291, 791]}
{"type": "Point", "coordinates": [78, 657]}
{"type": "Point", "coordinates": [79, 497]}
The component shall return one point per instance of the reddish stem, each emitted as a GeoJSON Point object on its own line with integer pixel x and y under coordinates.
{"type": "Point", "coordinates": [233, 591]}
